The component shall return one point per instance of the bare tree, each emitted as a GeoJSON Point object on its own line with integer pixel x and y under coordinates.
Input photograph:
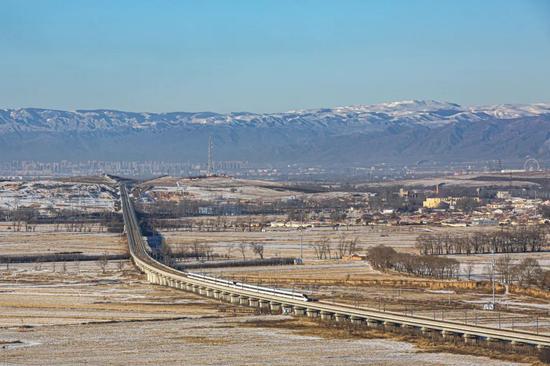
{"type": "Point", "coordinates": [258, 249]}
{"type": "Point", "coordinates": [342, 246]}
{"type": "Point", "coordinates": [352, 246]}
{"type": "Point", "coordinates": [229, 249]}
{"type": "Point", "coordinates": [103, 262]}
{"type": "Point", "coordinates": [468, 270]}
{"type": "Point", "coordinates": [166, 253]}
{"type": "Point", "coordinates": [242, 248]}
{"type": "Point", "coordinates": [197, 250]}
{"type": "Point", "coordinates": [529, 272]}
{"type": "Point", "coordinates": [321, 248]}
{"type": "Point", "coordinates": [208, 251]}
{"type": "Point", "coordinates": [504, 269]}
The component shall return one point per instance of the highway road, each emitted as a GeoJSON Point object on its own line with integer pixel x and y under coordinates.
{"type": "Point", "coordinates": [161, 274]}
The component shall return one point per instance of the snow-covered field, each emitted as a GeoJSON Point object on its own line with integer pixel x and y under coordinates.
{"type": "Point", "coordinates": [211, 342]}
{"type": "Point", "coordinates": [47, 195]}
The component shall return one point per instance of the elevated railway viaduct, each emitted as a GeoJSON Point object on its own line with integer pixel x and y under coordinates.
{"type": "Point", "coordinates": [278, 301]}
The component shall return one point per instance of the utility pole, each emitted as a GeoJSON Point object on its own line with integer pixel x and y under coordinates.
{"type": "Point", "coordinates": [493, 273]}
{"type": "Point", "coordinates": [210, 167]}
{"type": "Point", "coordinates": [302, 234]}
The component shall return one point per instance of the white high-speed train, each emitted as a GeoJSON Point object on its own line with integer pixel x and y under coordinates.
{"type": "Point", "coordinates": [259, 289]}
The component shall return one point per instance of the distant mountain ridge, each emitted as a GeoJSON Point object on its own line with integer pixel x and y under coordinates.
{"type": "Point", "coordinates": [397, 131]}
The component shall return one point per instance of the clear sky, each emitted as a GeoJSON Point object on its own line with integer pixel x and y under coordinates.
{"type": "Point", "coordinates": [269, 56]}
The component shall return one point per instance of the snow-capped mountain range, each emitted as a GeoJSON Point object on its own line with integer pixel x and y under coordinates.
{"type": "Point", "coordinates": [420, 112]}
{"type": "Point", "coordinates": [397, 131]}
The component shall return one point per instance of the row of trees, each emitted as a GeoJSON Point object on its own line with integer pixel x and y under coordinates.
{"type": "Point", "coordinates": [294, 209]}
{"type": "Point", "coordinates": [324, 249]}
{"type": "Point", "coordinates": [515, 240]}
{"type": "Point", "coordinates": [218, 224]}
{"type": "Point", "coordinates": [385, 258]}
{"type": "Point", "coordinates": [204, 251]}
{"type": "Point", "coordinates": [26, 219]}
{"type": "Point", "coordinates": [527, 272]}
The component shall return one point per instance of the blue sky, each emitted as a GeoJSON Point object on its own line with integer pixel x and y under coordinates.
{"type": "Point", "coordinates": [268, 56]}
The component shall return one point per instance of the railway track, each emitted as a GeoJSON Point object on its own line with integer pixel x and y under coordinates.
{"type": "Point", "coordinates": [300, 305]}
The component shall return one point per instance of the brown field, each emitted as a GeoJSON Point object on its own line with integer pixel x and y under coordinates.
{"type": "Point", "coordinates": [285, 242]}
{"type": "Point", "coordinates": [73, 313]}
{"type": "Point", "coordinates": [45, 240]}
{"type": "Point", "coordinates": [84, 316]}
{"type": "Point", "coordinates": [357, 283]}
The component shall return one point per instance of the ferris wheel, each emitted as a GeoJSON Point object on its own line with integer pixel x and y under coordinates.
{"type": "Point", "coordinates": [531, 165]}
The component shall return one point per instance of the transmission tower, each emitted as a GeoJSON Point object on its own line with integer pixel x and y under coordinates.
{"type": "Point", "coordinates": [210, 168]}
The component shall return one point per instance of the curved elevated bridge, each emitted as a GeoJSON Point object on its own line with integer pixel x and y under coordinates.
{"type": "Point", "coordinates": [298, 304]}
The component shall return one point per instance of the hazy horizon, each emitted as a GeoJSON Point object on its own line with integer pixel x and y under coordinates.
{"type": "Point", "coordinates": [542, 102]}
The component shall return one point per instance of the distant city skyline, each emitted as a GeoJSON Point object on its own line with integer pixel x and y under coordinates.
{"type": "Point", "coordinates": [271, 56]}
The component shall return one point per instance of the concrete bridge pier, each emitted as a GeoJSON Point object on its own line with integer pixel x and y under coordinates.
{"type": "Point", "coordinates": [244, 300]}
{"type": "Point", "coordinates": [196, 289]}
{"type": "Point", "coordinates": [492, 341]}
{"type": "Point", "coordinates": [340, 317]}
{"type": "Point", "coordinates": [189, 287]}
{"type": "Point", "coordinates": [449, 335]}
{"type": "Point", "coordinates": [374, 323]}
{"type": "Point", "coordinates": [312, 313]}
{"type": "Point", "coordinates": [226, 296]}
{"type": "Point", "coordinates": [426, 331]}
{"type": "Point", "coordinates": [235, 299]}
{"type": "Point", "coordinates": [299, 311]}
{"type": "Point", "coordinates": [287, 309]}
{"type": "Point", "coordinates": [210, 292]}
{"type": "Point", "coordinates": [275, 307]}
{"type": "Point", "coordinates": [327, 315]}
{"type": "Point", "coordinates": [217, 294]}
{"type": "Point", "coordinates": [357, 320]}
{"type": "Point", "coordinates": [202, 291]}
{"type": "Point", "coordinates": [253, 303]}
{"type": "Point", "coordinates": [391, 325]}
{"type": "Point", "coordinates": [265, 305]}
{"type": "Point", "coordinates": [542, 348]}
{"type": "Point", "coordinates": [469, 338]}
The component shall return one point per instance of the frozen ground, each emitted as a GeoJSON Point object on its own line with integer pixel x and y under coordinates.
{"type": "Point", "coordinates": [45, 240]}
{"type": "Point", "coordinates": [84, 316]}
{"type": "Point", "coordinates": [208, 341]}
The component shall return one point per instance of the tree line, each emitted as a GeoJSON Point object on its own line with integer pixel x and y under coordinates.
{"type": "Point", "coordinates": [386, 258]}
{"type": "Point", "coordinates": [324, 249]}
{"type": "Point", "coordinates": [26, 219]}
{"type": "Point", "coordinates": [526, 272]}
{"type": "Point", "coordinates": [512, 240]}
{"type": "Point", "coordinates": [201, 251]}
